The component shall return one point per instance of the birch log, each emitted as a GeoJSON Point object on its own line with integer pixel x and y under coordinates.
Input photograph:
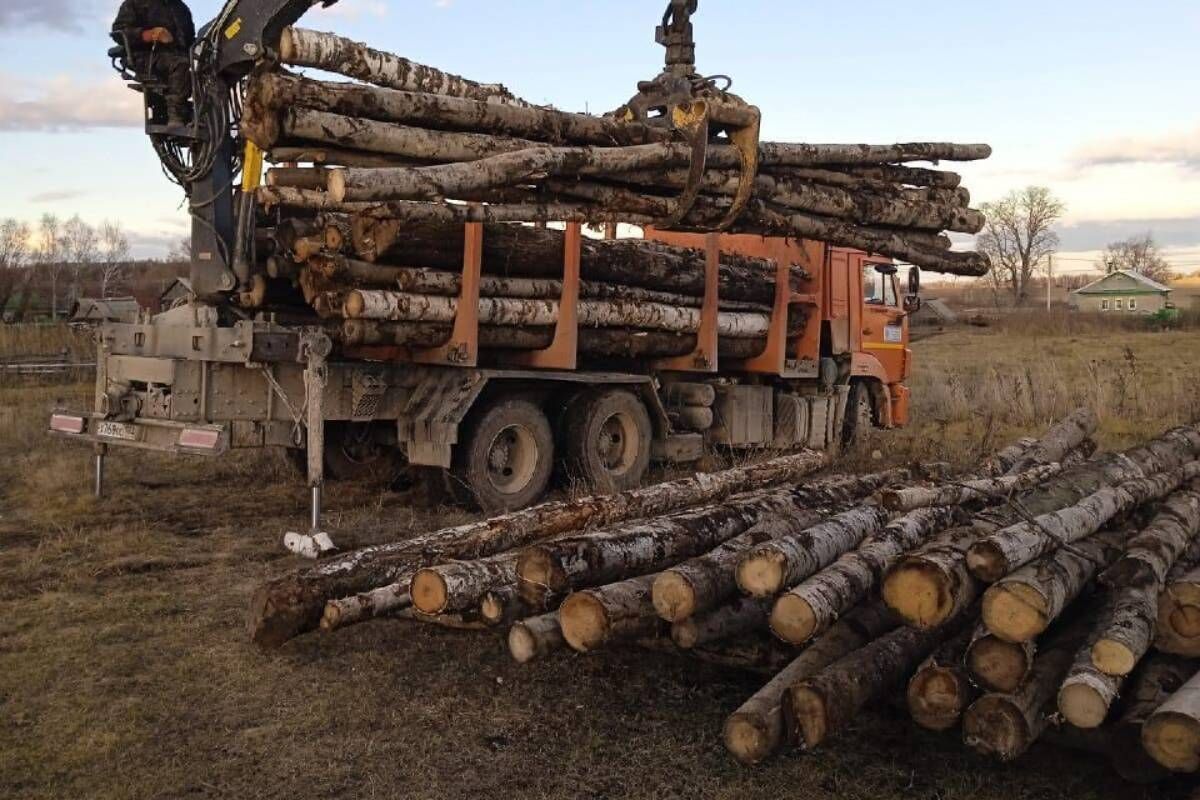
{"type": "Point", "coordinates": [826, 703]}
{"type": "Point", "coordinates": [1179, 614]}
{"type": "Point", "coordinates": [1156, 679]}
{"type": "Point", "coordinates": [811, 607]}
{"type": "Point", "coordinates": [941, 690]}
{"type": "Point", "coordinates": [293, 604]}
{"type": "Point", "coordinates": [461, 585]}
{"type": "Point", "coordinates": [971, 491]}
{"type": "Point", "coordinates": [325, 51]}
{"type": "Point", "coordinates": [516, 312]}
{"type": "Point", "coordinates": [705, 582]}
{"type": "Point", "coordinates": [774, 565]}
{"type": "Point", "coordinates": [1020, 607]}
{"type": "Point", "coordinates": [1067, 435]}
{"type": "Point", "coordinates": [932, 584]}
{"type": "Point", "coordinates": [594, 618]}
{"type": "Point", "coordinates": [996, 665]}
{"type": "Point", "coordinates": [1004, 726]}
{"type": "Point", "coordinates": [535, 637]}
{"type": "Point", "coordinates": [1087, 694]}
{"type": "Point", "coordinates": [1172, 733]}
{"type": "Point", "coordinates": [1011, 548]}
{"type": "Point", "coordinates": [739, 617]}
{"type": "Point", "coordinates": [755, 731]}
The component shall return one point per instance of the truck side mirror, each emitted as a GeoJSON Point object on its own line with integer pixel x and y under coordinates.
{"type": "Point", "coordinates": [912, 303]}
{"type": "Point", "coordinates": [914, 281]}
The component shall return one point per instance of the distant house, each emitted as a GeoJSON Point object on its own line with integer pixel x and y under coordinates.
{"type": "Point", "coordinates": [178, 293]}
{"type": "Point", "coordinates": [1123, 291]}
{"type": "Point", "coordinates": [111, 309]}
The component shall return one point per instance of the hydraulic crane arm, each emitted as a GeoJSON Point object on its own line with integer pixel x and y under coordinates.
{"type": "Point", "coordinates": [206, 161]}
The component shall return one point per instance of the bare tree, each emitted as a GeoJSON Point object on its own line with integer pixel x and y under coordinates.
{"type": "Point", "coordinates": [181, 251]}
{"type": "Point", "coordinates": [14, 257]}
{"type": "Point", "coordinates": [1019, 235]}
{"type": "Point", "coordinates": [114, 256]}
{"type": "Point", "coordinates": [49, 255]}
{"type": "Point", "coordinates": [1138, 254]}
{"type": "Point", "coordinates": [80, 247]}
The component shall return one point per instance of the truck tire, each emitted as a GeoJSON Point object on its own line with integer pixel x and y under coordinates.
{"type": "Point", "coordinates": [505, 459]}
{"type": "Point", "coordinates": [607, 435]}
{"type": "Point", "coordinates": [860, 415]}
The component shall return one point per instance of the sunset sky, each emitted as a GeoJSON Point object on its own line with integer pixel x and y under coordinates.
{"type": "Point", "coordinates": [1099, 100]}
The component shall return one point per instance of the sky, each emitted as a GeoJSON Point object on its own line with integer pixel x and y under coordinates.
{"type": "Point", "coordinates": [1096, 99]}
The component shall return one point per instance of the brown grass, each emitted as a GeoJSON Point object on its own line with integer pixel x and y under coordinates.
{"type": "Point", "coordinates": [38, 340]}
{"type": "Point", "coordinates": [125, 671]}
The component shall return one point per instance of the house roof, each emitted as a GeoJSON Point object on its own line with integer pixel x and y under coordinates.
{"type": "Point", "coordinates": [113, 309]}
{"type": "Point", "coordinates": [1148, 284]}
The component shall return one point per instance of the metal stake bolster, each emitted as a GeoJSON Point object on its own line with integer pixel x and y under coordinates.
{"type": "Point", "coordinates": [315, 517]}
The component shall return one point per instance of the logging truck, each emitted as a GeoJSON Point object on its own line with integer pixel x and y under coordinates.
{"type": "Point", "coordinates": [492, 381]}
{"type": "Point", "coordinates": [499, 421]}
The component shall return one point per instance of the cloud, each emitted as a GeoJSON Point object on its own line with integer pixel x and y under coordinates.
{"type": "Point", "coordinates": [1181, 148]}
{"type": "Point", "coordinates": [56, 196]}
{"type": "Point", "coordinates": [69, 16]}
{"type": "Point", "coordinates": [65, 104]}
{"type": "Point", "coordinates": [1086, 235]}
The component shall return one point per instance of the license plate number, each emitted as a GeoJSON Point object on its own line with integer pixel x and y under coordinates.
{"type": "Point", "coordinates": [117, 430]}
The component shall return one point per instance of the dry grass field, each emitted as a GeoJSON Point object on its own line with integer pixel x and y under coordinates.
{"type": "Point", "coordinates": [125, 671]}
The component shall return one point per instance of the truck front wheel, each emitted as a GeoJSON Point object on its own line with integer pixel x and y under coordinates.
{"type": "Point", "coordinates": [607, 436]}
{"type": "Point", "coordinates": [505, 460]}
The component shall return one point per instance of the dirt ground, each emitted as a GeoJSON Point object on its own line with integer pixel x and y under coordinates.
{"type": "Point", "coordinates": [125, 671]}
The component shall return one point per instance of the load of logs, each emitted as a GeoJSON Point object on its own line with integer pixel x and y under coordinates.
{"type": "Point", "coordinates": [1048, 593]}
{"type": "Point", "coordinates": [364, 215]}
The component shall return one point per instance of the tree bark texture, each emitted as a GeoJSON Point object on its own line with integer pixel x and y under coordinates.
{"type": "Point", "coordinates": [739, 617]}
{"type": "Point", "coordinates": [1151, 554]}
{"type": "Point", "coordinates": [512, 312]}
{"type": "Point", "coordinates": [522, 251]}
{"type": "Point", "coordinates": [548, 570]}
{"type": "Point", "coordinates": [756, 730]}
{"type": "Point", "coordinates": [1065, 436]}
{"type": "Point", "coordinates": [1011, 548]}
{"type": "Point", "coordinates": [300, 47]}
{"type": "Point", "coordinates": [593, 618]}
{"type": "Point", "coordinates": [816, 603]}
{"type": "Point", "coordinates": [705, 582]}
{"type": "Point", "coordinates": [781, 562]}
{"type": "Point", "coordinates": [826, 703]}
{"type": "Point", "coordinates": [293, 604]}
{"type": "Point", "coordinates": [1020, 607]}
{"type": "Point", "coordinates": [345, 611]}
{"type": "Point", "coordinates": [965, 492]}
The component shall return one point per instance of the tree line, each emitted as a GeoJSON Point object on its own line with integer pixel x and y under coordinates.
{"type": "Point", "coordinates": [1019, 238]}
{"type": "Point", "coordinates": [58, 260]}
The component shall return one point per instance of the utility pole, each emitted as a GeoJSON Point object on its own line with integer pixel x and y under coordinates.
{"type": "Point", "coordinates": [1049, 279]}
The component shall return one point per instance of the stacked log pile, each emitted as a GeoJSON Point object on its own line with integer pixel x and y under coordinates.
{"type": "Point", "coordinates": [849, 589]}
{"type": "Point", "coordinates": [365, 214]}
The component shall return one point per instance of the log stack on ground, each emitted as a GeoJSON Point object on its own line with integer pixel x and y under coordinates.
{"type": "Point", "coordinates": [699, 569]}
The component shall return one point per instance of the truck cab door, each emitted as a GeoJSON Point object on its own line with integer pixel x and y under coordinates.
{"type": "Point", "coordinates": [884, 321]}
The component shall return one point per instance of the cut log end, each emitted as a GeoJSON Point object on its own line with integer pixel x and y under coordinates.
{"type": "Point", "coordinates": [429, 592]}
{"type": "Point", "coordinates": [584, 622]}
{"type": "Point", "coordinates": [1113, 658]}
{"type": "Point", "coordinates": [1173, 740]}
{"type": "Point", "coordinates": [1082, 706]}
{"type": "Point", "coordinates": [335, 185]}
{"type": "Point", "coordinates": [1015, 612]}
{"type": "Point", "coordinates": [685, 634]}
{"type": "Point", "coordinates": [493, 608]}
{"type": "Point", "coordinates": [1185, 621]}
{"type": "Point", "coordinates": [746, 740]}
{"type": "Point", "coordinates": [674, 597]}
{"type": "Point", "coordinates": [993, 726]}
{"type": "Point", "coordinates": [536, 572]}
{"type": "Point", "coordinates": [920, 594]}
{"type": "Point", "coordinates": [354, 305]}
{"type": "Point", "coordinates": [331, 619]}
{"type": "Point", "coordinates": [987, 562]}
{"type": "Point", "coordinates": [522, 645]}
{"type": "Point", "coordinates": [937, 697]}
{"type": "Point", "coordinates": [999, 666]}
{"type": "Point", "coordinates": [761, 574]}
{"type": "Point", "coordinates": [792, 619]}
{"type": "Point", "coordinates": [807, 713]}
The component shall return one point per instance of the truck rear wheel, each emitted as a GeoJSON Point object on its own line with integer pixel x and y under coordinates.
{"type": "Point", "coordinates": [505, 460]}
{"type": "Point", "coordinates": [607, 436]}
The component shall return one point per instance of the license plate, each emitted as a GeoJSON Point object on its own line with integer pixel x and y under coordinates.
{"type": "Point", "coordinates": [117, 430]}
